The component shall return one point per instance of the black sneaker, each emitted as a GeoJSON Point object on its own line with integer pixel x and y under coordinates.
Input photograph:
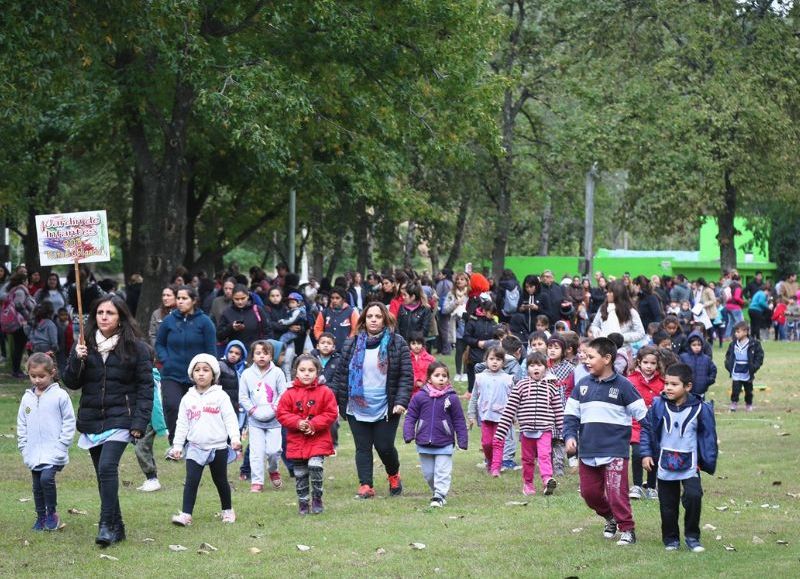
{"type": "Point", "coordinates": [316, 506]}
{"type": "Point", "coordinates": [610, 530]}
{"type": "Point", "coordinates": [627, 538]}
{"type": "Point", "coordinates": [550, 487]}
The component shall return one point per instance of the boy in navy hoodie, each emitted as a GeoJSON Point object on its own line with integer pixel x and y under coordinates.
{"type": "Point", "coordinates": [599, 413]}
{"type": "Point", "coordinates": [679, 434]}
{"type": "Point", "coordinates": [743, 359]}
{"type": "Point", "coordinates": [327, 355]}
{"type": "Point", "coordinates": [704, 371]}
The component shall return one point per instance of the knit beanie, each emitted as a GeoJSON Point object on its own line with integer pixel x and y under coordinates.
{"type": "Point", "coordinates": [208, 359]}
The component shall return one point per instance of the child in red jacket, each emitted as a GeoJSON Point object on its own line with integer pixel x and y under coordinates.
{"type": "Point", "coordinates": [307, 410]}
{"type": "Point", "coordinates": [420, 360]}
{"type": "Point", "coordinates": [647, 379]}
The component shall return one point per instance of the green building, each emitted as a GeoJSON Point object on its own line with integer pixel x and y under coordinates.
{"type": "Point", "coordinates": [693, 264]}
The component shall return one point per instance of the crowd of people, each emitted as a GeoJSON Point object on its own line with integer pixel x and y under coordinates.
{"type": "Point", "coordinates": [576, 375]}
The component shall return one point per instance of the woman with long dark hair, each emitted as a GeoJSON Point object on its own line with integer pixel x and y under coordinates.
{"type": "Point", "coordinates": [114, 372]}
{"type": "Point", "coordinates": [373, 385]}
{"type": "Point", "coordinates": [649, 306]}
{"type": "Point", "coordinates": [617, 315]}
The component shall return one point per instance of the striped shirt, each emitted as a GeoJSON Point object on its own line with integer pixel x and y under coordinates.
{"type": "Point", "coordinates": [598, 415]}
{"type": "Point", "coordinates": [536, 404]}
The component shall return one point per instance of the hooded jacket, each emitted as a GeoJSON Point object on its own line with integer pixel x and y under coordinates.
{"type": "Point", "coordinates": [206, 420]}
{"type": "Point", "coordinates": [649, 390]}
{"type": "Point", "coordinates": [229, 375]}
{"type": "Point", "coordinates": [328, 366]}
{"type": "Point", "coordinates": [259, 394]}
{"type": "Point", "coordinates": [653, 424]}
{"type": "Point", "coordinates": [420, 364]}
{"type": "Point", "coordinates": [45, 427]}
{"type": "Point", "coordinates": [180, 338]}
{"type": "Point", "coordinates": [755, 356]}
{"type": "Point", "coordinates": [704, 371]}
{"type": "Point", "coordinates": [436, 422]}
{"type": "Point", "coordinates": [478, 329]}
{"type": "Point", "coordinates": [255, 323]}
{"type": "Point", "coordinates": [315, 403]}
{"type": "Point", "coordinates": [116, 393]}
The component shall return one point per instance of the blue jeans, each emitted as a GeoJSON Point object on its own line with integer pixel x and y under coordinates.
{"type": "Point", "coordinates": [734, 317]}
{"type": "Point", "coordinates": [44, 490]}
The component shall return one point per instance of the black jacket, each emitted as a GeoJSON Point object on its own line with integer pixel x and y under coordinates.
{"type": "Point", "coordinates": [410, 321]}
{"type": "Point", "coordinates": [555, 295]}
{"type": "Point", "coordinates": [478, 329]}
{"type": "Point", "coordinates": [229, 380]}
{"type": "Point", "coordinates": [650, 309]}
{"type": "Point", "coordinates": [115, 394]}
{"type": "Point", "coordinates": [399, 376]}
{"type": "Point", "coordinates": [755, 357]}
{"type": "Point", "coordinates": [255, 324]}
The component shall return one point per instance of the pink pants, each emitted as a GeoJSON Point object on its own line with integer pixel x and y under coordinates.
{"type": "Point", "coordinates": [491, 450]}
{"type": "Point", "coordinates": [533, 448]}
{"type": "Point", "coordinates": [605, 490]}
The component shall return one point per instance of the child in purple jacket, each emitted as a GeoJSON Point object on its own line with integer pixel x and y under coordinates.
{"type": "Point", "coordinates": [435, 420]}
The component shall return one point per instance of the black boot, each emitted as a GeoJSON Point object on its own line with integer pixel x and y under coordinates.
{"type": "Point", "coordinates": [119, 531]}
{"type": "Point", "coordinates": [105, 535]}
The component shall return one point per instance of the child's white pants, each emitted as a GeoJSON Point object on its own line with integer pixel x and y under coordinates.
{"type": "Point", "coordinates": [264, 442]}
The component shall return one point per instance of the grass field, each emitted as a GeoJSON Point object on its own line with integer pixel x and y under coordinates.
{"type": "Point", "coordinates": [476, 534]}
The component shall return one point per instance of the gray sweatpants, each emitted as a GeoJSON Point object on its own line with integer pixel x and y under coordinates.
{"type": "Point", "coordinates": [144, 453]}
{"type": "Point", "coordinates": [437, 470]}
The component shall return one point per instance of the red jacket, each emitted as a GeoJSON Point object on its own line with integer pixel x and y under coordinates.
{"type": "Point", "coordinates": [779, 315]}
{"type": "Point", "coordinates": [420, 366]}
{"type": "Point", "coordinates": [315, 403]}
{"type": "Point", "coordinates": [649, 391]}
{"type": "Point", "coordinates": [394, 306]}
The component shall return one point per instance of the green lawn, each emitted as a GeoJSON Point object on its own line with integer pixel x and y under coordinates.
{"type": "Point", "coordinates": [476, 534]}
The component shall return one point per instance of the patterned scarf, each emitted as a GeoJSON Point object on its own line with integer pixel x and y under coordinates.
{"type": "Point", "coordinates": [356, 374]}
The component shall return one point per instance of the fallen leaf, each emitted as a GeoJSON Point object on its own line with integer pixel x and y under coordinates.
{"type": "Point", "coordinates": [732, 501]}
{"type": "Point", "coordinates": [25, 500]}
{"type": "Point", "coordinates": [380, 551]}
{"type": "Point", "coordinates": [148, 540]}
{"type": "Point", "coordinates": [26, 543]}
{"type": "Point", "coordinates": [722, 508]}
{"type": "Point", "coordinates": [782, 542]}
{"type": "Point", "coordinates": [757, 540]}
{"type": "Point", "coordinates": [177, 548]}
{"type": "Point", "coordinates": [765, 506]}
{"type": "Point", "coordinates": [776, 506]}
{"type": "Point", "coordinates": [256, 536]}
{"type": "Point", "coordinates": [577, 529]}
{"type": "Point", "coordinates": [793, 495]}
{"type": "Point", "coordinates": [709, 527]}
{"type": "Point", "coordinates": [722, 477]}
{"type": "Point", "coordinates": [718, 538]}
{"type": "Point", "coordinates": [417, 546]}
{"type": "Point", "coordinates": [303, 548]}
{"type": "Point", "coordinates": [776, 483]}
{"type": "Point", "coordinates": [109, 557]}
{"type": "Point", "coordinates": [254, 550]}
{"type": "Point", "coordinates": [784, 433]}
{"type": "Point", "coordinates": [208, 547]}
{"type": "Point", "coordinates": [729, 547]}
{"type": "Point", "coordinates": [203, 552]}
{"type": "Point", "coordinates": [127, 483]}
{"type": "Point", "coordinates": [516, 503]}
{"type": "Point", "coordinates": [331, 478]}
{"type": "Point", "coordinates": [454, 517]}
{"type": "Point", "coordinates": [77, 512]}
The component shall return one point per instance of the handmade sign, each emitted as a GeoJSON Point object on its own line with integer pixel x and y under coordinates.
{"type": "Point", "coordinates": [68, 237]}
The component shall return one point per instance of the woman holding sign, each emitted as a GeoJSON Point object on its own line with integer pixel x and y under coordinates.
{"type": "Point", "coordinates": [183, 334]}
{"type": "Point", "coordinates": [114, 372]}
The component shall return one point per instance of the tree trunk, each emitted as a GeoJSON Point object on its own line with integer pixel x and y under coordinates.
{"type": "Point", "coordinates": [195, 200]}
{"type": "Point", "coordinates": [159, 205]}
{"type": "Point", "coordinates": [461, 227]}
{"type": "Point", "coordinates": [727, 230]}
{"type": "Point", "coordinates": [547, 224]}
{"type": "Point", "coordinates": [336, 252]}
{"type": "Point", "coordinates": [361, 237]}
{"type": "Point", "coordinates": [433, 254]}
{"type": "Point", "coordinates": [408, 247]}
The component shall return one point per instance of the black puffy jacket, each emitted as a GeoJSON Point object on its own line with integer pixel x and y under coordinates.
{"type": "Point", "coordinates": [399, 376]}
{"type": "Point", "coordinates": [114, 394]}
{"type": "Point", "coordinates": [412, 321]}
{"type": "Point", "coordinates": [478, 329]}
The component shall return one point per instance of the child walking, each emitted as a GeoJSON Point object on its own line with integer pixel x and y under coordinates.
{"type": "Point", "coordinates": [489, 397]}
{"type": "Point", "coordinates": [742, 360]}
{"type": "Point", "coordinates": [646, 378]}
{"type": "Point", "coordinates": [307, 410]}
{"type": "Point", "coordinates": [679, 432]}
{"type": "Point", "coordinates": [704, 371]}
{"type": "Point", "coordinates": [45, 427]}
{"type": "Point", "coordinates": [206, 420]}
{"type": "Point", "coordinates": [598, 415]}
{"type": "Point", "coordinates": [435, 420]}
{"type": "Point", "coordinates": [535, 402]}
{"type": "Point", "coordinates": [420, 360]}
{"type": "Point", "coordinates": [260, 388]}
{"type": "Point", "coordinates": [144, 445]}
{"type": "Point", "coordinates": [562, 369]}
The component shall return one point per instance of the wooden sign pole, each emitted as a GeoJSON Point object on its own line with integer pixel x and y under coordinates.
{"type": "Point", "coordinates": [79, 295]}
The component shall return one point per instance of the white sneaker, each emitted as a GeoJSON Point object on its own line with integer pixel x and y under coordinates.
{"type": "Point", "coordinates": [150, 485]}
{"type": "Point", "coordinates": [182, 519]}
{"type": "Point", "coordinates": [636, 492]}
{"type": "Point", "coordinates": [228, 516]}
{"type": "Point", "coordinates": [651, 494]}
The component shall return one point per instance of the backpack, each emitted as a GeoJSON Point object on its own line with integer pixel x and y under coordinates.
{"type": "Point", "coordinates": [511, 301]}
{"type": "Point", "coordinates": [10, 319]}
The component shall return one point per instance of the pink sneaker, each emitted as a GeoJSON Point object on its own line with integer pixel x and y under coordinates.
{"type": "Point", "coordinates": [228, 516]}
{"type": "Point", "coordinates": [182, 519]}
{"type": "Point", "coordinates": [256, 488]}
{"type": "Point", "coordinates": [495, 472]}
{"type": "Point", "coordinates": [528, 489]}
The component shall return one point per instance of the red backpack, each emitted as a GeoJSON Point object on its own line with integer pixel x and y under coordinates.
{"type": "Point", "coordinates": [10, 319]}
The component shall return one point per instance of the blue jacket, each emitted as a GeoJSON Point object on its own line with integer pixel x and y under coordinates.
{"type": "Point", "coordinates": [704, 371]}
{"type": "Point", "coordinates": [758, 302]}
{"type": "Point", "coordinates": [435, 422]}
{"type": "Point", "coordinates": [180, 338]}
{"type": "Point", "coordinates": [706, 432]}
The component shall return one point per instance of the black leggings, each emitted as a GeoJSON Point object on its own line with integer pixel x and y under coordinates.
{"type": "Point", "coordinates": [380, 435]}
{"type": "Point", "coordinates": [460, 347]}
{"type": "Point", "coordinates": [638, 471]}
{"type": "Point", "coordinates": [19, 348]}
{"type": "Point", "coordinates": [105, 458]}
{"type": "Point", "coordinates": [45, 497]}
{"type": "Point", "coordinates": [171, 394]}
{"type": "Point", "coordinates": [736, 389]}
{"type": "Point", "coordinates": [219, 474]}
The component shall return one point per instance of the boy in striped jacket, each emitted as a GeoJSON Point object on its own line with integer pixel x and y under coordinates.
{"type": "Point", "coordinates": [598, 414]}
{"type": "Point", "coordinates": [535, 402]}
